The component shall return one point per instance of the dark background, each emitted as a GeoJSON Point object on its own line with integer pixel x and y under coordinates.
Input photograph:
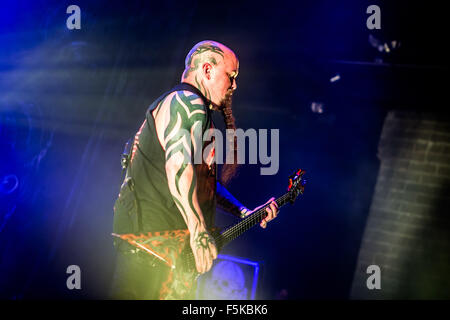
{"type": "Point", "coordinates": [71, 98]}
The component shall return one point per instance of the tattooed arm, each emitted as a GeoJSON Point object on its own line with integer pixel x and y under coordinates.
{"type": "Point", "coordinates": [179, 122]}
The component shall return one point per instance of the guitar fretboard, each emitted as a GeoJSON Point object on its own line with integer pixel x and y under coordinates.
{"type": "Point", "coordinates": [238, 229]}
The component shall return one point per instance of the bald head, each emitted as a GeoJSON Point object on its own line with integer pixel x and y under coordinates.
{"type": "Point", "coordinates": [211, 67]}
{"type": "Point", "coordinates": [206, 51]}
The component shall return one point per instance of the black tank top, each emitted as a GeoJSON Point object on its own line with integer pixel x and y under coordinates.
{"type": "Point", "coordinates": [157, 208]}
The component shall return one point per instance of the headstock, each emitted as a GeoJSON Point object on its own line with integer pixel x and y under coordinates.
{"type": "Point", "coordinates": [296, 184]}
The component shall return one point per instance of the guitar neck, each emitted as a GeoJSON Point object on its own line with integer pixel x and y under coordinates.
{"type": "Point", "coordinates": [296, 187]}
{"type": "Point", "coordinates": [255, 218]}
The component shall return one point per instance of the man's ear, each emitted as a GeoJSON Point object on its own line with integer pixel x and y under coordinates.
{"type": "Point", "coordinates": [206, 68]}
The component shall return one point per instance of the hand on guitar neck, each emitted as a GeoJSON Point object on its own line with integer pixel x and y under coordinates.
{"type": "Point", "coordinates": [272, 212]}
{"type": "Point", "coordinates": [203, 244]}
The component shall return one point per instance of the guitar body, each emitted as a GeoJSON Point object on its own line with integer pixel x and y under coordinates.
{"type": "Point", "coordinates": [171, 248]}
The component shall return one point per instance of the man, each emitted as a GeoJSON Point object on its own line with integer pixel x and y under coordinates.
{"type": "Point", "coordinates": [164, 188]}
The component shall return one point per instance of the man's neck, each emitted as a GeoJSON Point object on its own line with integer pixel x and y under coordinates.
{"type": "Point", "coordinates": [193, 81]}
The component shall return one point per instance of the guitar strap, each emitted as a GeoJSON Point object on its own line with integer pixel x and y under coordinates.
{"type": "Point", "coordinates": [128, 181]}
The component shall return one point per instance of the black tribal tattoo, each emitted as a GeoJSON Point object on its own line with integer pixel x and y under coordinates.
{"type": "Point", "coordinates": [182, 135]}
{"type": "Point", "coordinates": [203, 240]}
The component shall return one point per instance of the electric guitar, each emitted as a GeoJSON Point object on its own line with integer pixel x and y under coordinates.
{"type": "Point", "coordinates": [173, 247]}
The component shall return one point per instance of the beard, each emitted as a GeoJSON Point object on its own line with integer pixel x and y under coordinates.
{"type": "Point", "coordinates": [229, 170]}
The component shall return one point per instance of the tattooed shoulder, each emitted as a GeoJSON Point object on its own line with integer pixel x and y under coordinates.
{"type": "Point", "coordinates": [185, 124]}
{"type": "Point", "coordinates": [186, 109]}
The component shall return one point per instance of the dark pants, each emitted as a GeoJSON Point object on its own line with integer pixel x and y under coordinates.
{"type": "Point", "coordinates": [136, 277]}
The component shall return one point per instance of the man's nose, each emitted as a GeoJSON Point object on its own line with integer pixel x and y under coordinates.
{"type": "Point", "coordinates": [234, 85]}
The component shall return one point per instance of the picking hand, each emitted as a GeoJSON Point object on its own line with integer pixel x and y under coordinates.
{"type": "Point", "coordinates": [204, 250]}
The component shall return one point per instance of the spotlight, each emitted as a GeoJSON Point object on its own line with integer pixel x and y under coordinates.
{"type": "Point", "coordinates": [381, 46]}
{"type": "Point", "coordinates": [317, 107]}
{"type": "Point", "coordinates": [335, 78]}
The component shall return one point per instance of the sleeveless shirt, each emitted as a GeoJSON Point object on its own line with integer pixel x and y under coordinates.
{"type": "Point", "coordinates": [156, 209]}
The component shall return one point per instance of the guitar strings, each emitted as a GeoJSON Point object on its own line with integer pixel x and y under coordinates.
{"type": "Point", "coordinates": [237, 230]}
{"type": "Point", "coordinates": [244, 225]}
